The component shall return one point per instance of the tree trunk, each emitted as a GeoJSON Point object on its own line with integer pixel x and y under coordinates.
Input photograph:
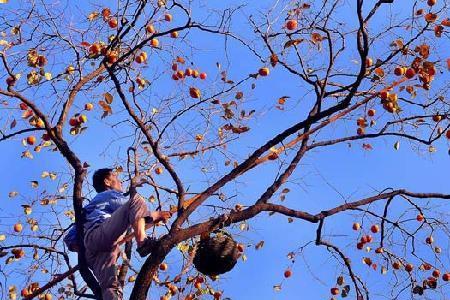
{"type": "Point", "coordinates": [148, 270]}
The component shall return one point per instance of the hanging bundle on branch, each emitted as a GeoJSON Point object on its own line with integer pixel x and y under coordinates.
{"type": "Point", "coordinates": [216, 254]}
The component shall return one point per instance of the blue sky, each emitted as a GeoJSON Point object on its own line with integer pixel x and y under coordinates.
{"type": "Point", "coordinates": [325, 178]}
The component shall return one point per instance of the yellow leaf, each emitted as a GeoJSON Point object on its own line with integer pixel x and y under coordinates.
{"type": "Point", "coordinates": [48, 76]}
{"type": "Point", "coordinates": [63, 188]}
{"type": "Point", "coordinates": [183, 247]}
{"type": "Point", "coordinates": [69, 213]}
{"type": "Point", "coordinates": [33, 78]}
{"type": "Point", "coordinates": [243, 226]}
{"type": "Point", "coordinates": [27, 154]}
{"type": "Point", "coordinates": [4, 43]}
{"type": "Point", "coordinates": [15, 30]}
{"type": "Point", "coordinates": [8, 261]}
{"type": "Point", "coordinates": [27, 209]}
{"type": "Point", "coordinates": [93, 15]}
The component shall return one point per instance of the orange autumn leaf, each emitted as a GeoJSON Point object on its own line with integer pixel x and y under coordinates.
{"type": "Point", "coordinates": [26, 114]}
{"type": "Point", "coordinates": [292, 43]}
{"type": "Point", "coordinates": [273, 60]}
{"type": "Point", "coordinates": [180, 60]}
{"type": "Point", "coordinates": [108, 98]}
{"type": "Point", "coordinates": [438, 29]}
{"type": "Point", "coordinates": [430, 17]}
{"type": "Point", "coordinates": [424, 50]}
{"type": "Point", "coordinates": [282, 100]}
{"type": "Point", "coordinates": [194, 92]}
{"type": "Point", "coordinates": [316, 37]}
{"type": "Point", "coordinates": [379, 72]}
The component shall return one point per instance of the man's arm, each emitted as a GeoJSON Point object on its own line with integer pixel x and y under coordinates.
{"type": "Point", "coordinates": [157, 216]}
{"type": "Point", "coordinates": [160, 216]}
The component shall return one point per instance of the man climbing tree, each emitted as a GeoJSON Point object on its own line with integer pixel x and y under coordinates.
{"type": "Point", "coordinates": [108, 216]}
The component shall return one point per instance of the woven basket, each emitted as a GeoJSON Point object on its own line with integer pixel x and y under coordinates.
{"type": "Point", "coordinates": [216, 254]}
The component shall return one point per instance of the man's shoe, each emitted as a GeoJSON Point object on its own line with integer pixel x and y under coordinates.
{"type": "Point", "coordinates": [146, 247]}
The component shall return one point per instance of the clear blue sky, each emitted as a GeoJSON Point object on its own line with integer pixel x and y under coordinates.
{"type": "Point", "coordinates": [325, 178]}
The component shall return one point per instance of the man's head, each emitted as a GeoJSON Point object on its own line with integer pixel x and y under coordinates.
{"type": "Point", "coordinates": [106, 179]}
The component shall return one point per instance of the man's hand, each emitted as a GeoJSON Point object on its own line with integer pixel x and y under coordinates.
{"type": "Point", "coordinates": [161, 216]}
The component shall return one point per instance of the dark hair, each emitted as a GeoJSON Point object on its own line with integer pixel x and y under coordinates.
{"type": "Point", "coordinates": [98, 179]}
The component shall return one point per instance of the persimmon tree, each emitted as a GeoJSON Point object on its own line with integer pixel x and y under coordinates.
{"type": "Point", "coordinates": [130, 77]}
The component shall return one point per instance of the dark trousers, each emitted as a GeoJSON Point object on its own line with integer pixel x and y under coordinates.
{"type": "Point", "coordinates": [102, 248]}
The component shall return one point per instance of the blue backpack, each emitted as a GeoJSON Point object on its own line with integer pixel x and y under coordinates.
{"type": "Point", "coordinates": [70, 239]}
